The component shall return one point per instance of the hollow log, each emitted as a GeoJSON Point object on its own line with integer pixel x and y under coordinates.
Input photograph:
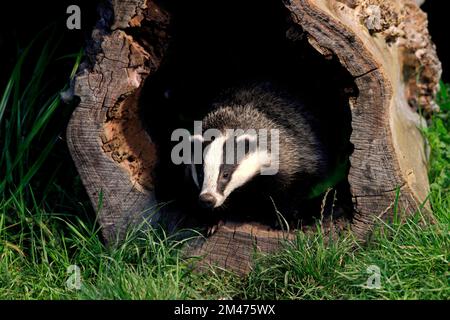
{"type": "Point", "coordinates": [383, 44]}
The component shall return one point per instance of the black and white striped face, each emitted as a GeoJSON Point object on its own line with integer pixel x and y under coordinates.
{"type": "Point", "coordinates": [229, 162]}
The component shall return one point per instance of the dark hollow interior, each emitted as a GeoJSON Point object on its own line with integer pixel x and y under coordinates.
{"type": "Point", "coordinates": [219, 44]}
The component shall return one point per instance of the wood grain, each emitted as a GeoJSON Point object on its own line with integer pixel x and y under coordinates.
{"type": "Point", "coordinates": [383, 44]}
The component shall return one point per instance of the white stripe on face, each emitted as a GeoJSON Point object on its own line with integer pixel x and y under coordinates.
{"type": "Point", "coordinates": [246, 170]}
{"type": "Point", "coordinates": [213, 159]}
{"type": "Point", "coordinates": [248, 167]}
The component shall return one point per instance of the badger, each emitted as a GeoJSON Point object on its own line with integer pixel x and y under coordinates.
{"type": "Point", "coordinates": [272, 174]}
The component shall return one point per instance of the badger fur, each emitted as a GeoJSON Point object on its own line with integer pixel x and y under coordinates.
{"type": "Point", "coordinates": [301, 156]}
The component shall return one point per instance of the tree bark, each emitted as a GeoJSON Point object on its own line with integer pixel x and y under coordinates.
{"type": "Point", "coordinates": [383, 44]}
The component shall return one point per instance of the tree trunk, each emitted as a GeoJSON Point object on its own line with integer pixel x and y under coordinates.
{"type": "Point", "coordinates": [383, 44]}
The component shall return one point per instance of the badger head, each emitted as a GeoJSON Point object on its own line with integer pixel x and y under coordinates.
{"type": "Point", "coordinates": [230, 159]}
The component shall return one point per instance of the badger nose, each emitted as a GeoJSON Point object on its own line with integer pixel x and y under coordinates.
{"type": "Point", "coordinates": [207, 200]}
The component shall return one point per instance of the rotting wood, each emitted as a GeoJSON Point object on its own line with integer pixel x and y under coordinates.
{"type": "Point", "coordinates": [383, 44]}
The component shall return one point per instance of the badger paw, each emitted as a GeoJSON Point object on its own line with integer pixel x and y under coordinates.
{"type": "Point", "coordinates": [213, 229]}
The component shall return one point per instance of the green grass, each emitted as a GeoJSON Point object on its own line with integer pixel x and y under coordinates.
{"type": "Point", "coordinates": [46, 224]}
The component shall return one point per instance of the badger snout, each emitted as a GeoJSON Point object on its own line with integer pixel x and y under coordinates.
{"type": "Point", "coordinates": [207, 200]}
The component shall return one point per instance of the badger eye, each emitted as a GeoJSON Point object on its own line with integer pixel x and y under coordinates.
{"type": "Point", "coordinates": [225, 175]}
